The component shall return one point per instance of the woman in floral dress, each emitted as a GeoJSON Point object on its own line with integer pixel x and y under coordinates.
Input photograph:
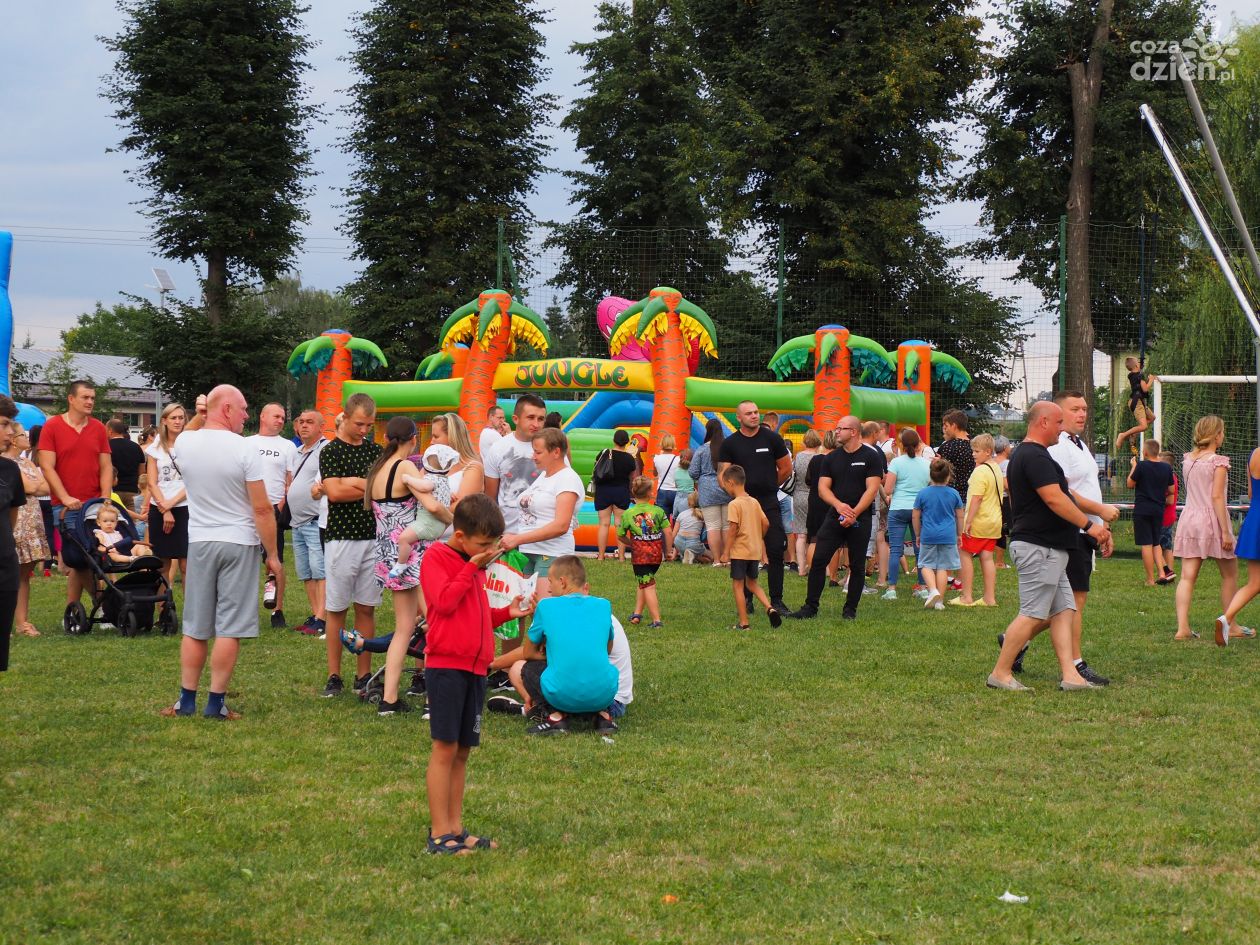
{"type": "Point", "coordinates": [29, 535]}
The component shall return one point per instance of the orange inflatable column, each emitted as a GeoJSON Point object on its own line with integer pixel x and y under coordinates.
{"type": "Point", "coordinates": [832, 397]}
{"type": "Point", "coordinates": [923, 384]}
{"type": "Point", "coordinates": [669, 381]}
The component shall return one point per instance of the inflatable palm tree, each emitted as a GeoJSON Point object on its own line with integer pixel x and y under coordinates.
{"type": "Point", "coordinates": [836, 353]}
{"type": "Point", "coordinates": [334, 356]}
{"type": "Point", "coordinates": [671, 323]}
{"type": "Point", "coordinates": [491, 326]}
{"type": "Point", "coordinates": [912, 357]}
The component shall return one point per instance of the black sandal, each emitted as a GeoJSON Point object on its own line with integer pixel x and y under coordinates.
{"type": "Point", "coordinates": [451, 844]}
{"type": "Point", "coordinates": [483, 843]}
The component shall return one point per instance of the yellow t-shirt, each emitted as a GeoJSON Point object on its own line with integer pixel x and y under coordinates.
{"type": "Point", "coordinates": [747, 529]}
{"type": "Point", "coordinates": [986, 482]}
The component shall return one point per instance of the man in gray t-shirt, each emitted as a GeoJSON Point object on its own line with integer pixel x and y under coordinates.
{"type": "Point", "coordinates": [308, 514]}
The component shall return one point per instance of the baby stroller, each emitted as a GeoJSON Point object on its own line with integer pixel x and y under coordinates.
{"type": "Point", "coordinates": [374, 689]}
{"type": "Point", "coordinates": [123, 593]}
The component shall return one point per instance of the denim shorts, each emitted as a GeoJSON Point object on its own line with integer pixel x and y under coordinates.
{"type": "Point", "coordinates": [308, 552]}
{"type": "Point", "coordinates": [938, 557]}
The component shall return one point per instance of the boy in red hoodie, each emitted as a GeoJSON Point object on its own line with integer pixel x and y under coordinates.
{"type": "Point", "coordinates": [457, 655]}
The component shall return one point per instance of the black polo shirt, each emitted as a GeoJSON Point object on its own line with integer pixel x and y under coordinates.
{"type": "Point", "coordinates": [128, 461]}
{"type": "Point", "coordinates": [758, 455]}
{"type": "Point", "coordinates": [849, 471]}
{"type": "Point", "coordinates": [1032, 520]}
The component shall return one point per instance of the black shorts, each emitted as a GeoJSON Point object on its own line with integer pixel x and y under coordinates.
{"type": "Point", "coordinates": [456, 700]}
{"type": "Point", "coordinates": [531, 679]}
{"type": "Point", "coordinates": [1146, 528]}
{"type": "Point", "coordinates": [646, 573]}
{"type": "Point", "coordinates": [1080, 565]}
{"type": "Point", "coordinates": [742, 568]}
{"type": "Point", "coordinates": [612, 494]}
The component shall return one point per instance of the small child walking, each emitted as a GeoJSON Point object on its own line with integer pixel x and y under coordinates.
{"type": "Point", "coordinates": [937, 520]}
{"type": "Point", "coordinates": [1170, 519]}
{"type": "Point", "coordinates": [644, 528]}
{"type": "Point", "coordinates": [1139, 390]}
{"type": "Point", "coordinates": [746, 545]}
{"type": "Point", "coordinates": [1152, 485]}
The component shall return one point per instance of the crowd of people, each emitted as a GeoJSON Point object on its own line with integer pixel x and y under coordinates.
{"type": "Point", "coordinates": [429, 527]}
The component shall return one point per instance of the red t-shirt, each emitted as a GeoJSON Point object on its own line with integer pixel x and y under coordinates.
{"type": "Point", "coordinates": [78, 462]}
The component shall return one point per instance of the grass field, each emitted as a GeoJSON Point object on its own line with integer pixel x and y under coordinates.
{"type": "Point", "coordinates": [824, 782]}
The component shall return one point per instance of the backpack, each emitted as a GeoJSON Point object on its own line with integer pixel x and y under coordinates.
{"type": "Point", "coordinates": [603, 467]}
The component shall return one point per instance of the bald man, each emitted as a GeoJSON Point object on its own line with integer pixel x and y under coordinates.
{"type": "Point", "coordinates": [228, 514]}
{"type": "Point", "coordinates": [847, 484]}
{"type": "Point", "coordinates": [1045, 528]}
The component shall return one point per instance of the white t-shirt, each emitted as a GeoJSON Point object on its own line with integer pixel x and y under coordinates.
{"type": "Point", "coordinates": [169, 482]}
{"type": "Point", "coordinates": [538, 509]}
{"type": "Point", "coordinates": [304, 468]}
{"type": "Point", "coordinates": [1080, 469]}
{"type": "Point", "coordinates": [216, 465]}
{"type": "Point", "coordinates": [619, 656]}
{"type": "Point", "coordinates": [277, 455]}
{"type": "Point", "coordinates": [489, 436]}
{"type": "Point", "coordinates": [663, 462]}
{"type": "Point", "coordinates": [511, 461]}
{"type": "Point", "coordinates": [689, 523]}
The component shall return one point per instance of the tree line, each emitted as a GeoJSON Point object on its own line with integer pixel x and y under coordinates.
{"type": "Point", "coordinates": [824, 133]}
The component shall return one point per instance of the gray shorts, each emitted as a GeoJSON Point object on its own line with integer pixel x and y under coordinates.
{"type": "Point", "coordinates": [350, 575]}
{"type": "Point", "coordinates": [221, 591]}
{"type": "Point", "coordinates": [1043, 583]}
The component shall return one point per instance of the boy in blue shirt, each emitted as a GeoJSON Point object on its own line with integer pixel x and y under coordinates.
{"type": "Point", "coordinates": [937, 519]}
{"type": "Point", "coordinates": [565, 669]}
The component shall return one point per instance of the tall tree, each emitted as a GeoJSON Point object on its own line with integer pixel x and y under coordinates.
{"type": "Point", "coordinates": [642, 219]}
{"type": "Point", "coordinates": [210, 93]}
{"type": "Point", "coordinates": [447, 137]}
{"type": "Point", "coordinates": [833, 132]}
{"type": "Point", "coordinates": [104, 330]}
{"type": "Point", "coordinates": [1061, 135]}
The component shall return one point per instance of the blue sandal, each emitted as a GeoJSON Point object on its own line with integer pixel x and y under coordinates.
{"type": "Point", "coordinates": [482, 843]}
{"type": "Point", "coordinates": [450, 844]}
{"type": "Point", "coordinates": [636, 618]}
{"type": "Point", "coordinates": [352, 640]}
{"type": "Point", "coordinates": [656, 625]}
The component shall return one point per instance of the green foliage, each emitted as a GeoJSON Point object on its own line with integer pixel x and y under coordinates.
{"type": "Point", "coordinates": [209, 92]}
{"type": "Point", "coordinates": [641, 129]}
{"type": "Point", "coordinates": [447, 138]}
{"type": "Point", "coordinates": [1021, 170]}
{"type": "Point", "coordinates": [107, 330]}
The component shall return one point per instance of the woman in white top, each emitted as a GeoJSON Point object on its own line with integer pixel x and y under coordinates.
{"type": "Point", "coordinates": [468, 475]}
{"type": "Point", "coordinates": [666, 464]}
{"type": "Point", "coordinates": [168, 502]}
{"type": "Point", "coordinates": [548, 508]}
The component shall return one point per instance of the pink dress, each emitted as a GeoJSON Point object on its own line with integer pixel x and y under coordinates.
{"type": "Point", "coordinates": [1198, 531]}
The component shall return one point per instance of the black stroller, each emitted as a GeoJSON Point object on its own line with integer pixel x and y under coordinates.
{"type": "Point", "coordinates": [123, 593]}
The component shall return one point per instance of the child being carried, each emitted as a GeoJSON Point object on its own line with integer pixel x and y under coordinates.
{"type": "Point", "coordinates": [432, 491]}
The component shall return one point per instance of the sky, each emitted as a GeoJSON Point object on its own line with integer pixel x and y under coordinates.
{"type": "Point", "coordinates": [79, 236]}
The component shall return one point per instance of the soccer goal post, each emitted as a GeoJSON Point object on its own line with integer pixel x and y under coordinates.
{"type": "Point", "coordinates": [1179, 400]}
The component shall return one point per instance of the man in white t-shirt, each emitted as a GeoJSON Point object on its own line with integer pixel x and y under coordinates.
{"type": "Point", "coordinates": [277, 456]}
{"type": "Point", "coordinates": [308, 514]}
{"type": "Point", "coordinates": [228, 512]}
{"type": "Point", "coordinates": [496, 429]}
{"type": "Point", "coordinates": [509, 466]}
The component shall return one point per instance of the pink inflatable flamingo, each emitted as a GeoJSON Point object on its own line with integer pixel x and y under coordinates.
{"type": "Point", "coordinates": [606, 314]}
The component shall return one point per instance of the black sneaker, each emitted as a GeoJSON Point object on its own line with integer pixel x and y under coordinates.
{"type": "Point", "coordinates": [750, 603]}
{"type": "Point", "coordinates": [1018, 665]}
{"type": "Point", "coordinates": [277, 620]}
{"type": "Point", "coordinates": [776, 618]}
{"type": "Point", "coordinates": [783, 609]}
{"type": "Point", "coordinates": [334, 687]}
{"type": "Point", "coordinates": [848, 615]}
{"type": "Point", "coordinates": [605, 726]}
{"type": "Point", "coordinates": [549, 727]}
{"type": "Point", "coordinates": [805, 613]}
{"type": "Point", "coordinates": [505, 705]}
{"type": "Point", "coordinates": [392, 708]}
{"type": "Point", "coordinates": [1092, 677]}
{"type": "Point", "coordinates": [360, 683]}
{"type": "Point", "coordinates": [499, 681]}
{"type": "Point", "coordinates": [538, 712]}
{"type": "Point", "coordinates": [417, 685]}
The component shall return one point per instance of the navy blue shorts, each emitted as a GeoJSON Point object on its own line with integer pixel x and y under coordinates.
{"type": "Point", "coordinates": [456, 699]}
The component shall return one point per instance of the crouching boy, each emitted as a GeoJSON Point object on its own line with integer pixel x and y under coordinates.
{"type": "Point", "coordinates": [457, 654]}
{"type": "Point", "coordinates": [565, 669]}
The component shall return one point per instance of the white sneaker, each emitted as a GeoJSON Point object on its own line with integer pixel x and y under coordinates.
{"type": "Point", "coordinates": [938, 606]}
{"type": "Point", "coordinates": [890, 594]}
{"type": "Point", "coordinates": [933, 600]}
{"type": "Point", "coordinates": [689, 556]}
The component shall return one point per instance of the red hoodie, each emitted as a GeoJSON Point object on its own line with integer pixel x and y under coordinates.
{"type": "Point", "coordinates": [460, 617]}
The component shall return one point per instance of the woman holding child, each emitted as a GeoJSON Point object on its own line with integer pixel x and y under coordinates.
{"type": "Point", "coordinates": [548, 507]}
{"type": "Point", "coordinates": [467, 476]}
{"type": "Point", "coordinates": [393, 505]}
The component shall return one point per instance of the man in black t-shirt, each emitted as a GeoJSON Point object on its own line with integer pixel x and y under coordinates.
{"type": "Point", "coordinates": [128, 461]}
{"type": "Point", "coordinates": [1045, 524]}
{"type": "Point", "coordinates": [848, 483]}
{"type": "Point", "coordinates": [766, 462]}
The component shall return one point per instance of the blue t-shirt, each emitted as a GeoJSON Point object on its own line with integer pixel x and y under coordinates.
{"type": "Point", "coordinates": [938, 524]}
{"type": "Point", "coordinates": [912, 476]}
{"type": "Point", "coordinates": [576, 630]}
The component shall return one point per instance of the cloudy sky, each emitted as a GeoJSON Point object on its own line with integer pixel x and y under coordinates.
{"type": "Point", "coordinates": [79, 237]}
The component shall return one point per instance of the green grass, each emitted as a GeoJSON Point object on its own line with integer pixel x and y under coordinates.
{"type": "Point", "coordinates": [825, 782]}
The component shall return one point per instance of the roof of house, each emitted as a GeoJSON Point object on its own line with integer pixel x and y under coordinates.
{"type": "Point", "coordinates": [101, 368]}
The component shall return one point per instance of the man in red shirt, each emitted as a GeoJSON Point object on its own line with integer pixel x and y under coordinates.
{"type": "Point", "coordinates": [75, 458]}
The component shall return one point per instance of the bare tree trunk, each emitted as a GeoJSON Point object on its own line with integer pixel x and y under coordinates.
{"type": "Point", "coordinates": [216, 285]}
{"type": "Point", "coordinates": [1085, 80]}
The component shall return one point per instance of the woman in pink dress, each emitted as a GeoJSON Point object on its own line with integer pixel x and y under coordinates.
{"type": "Point", "coordinates": [1205, 531]}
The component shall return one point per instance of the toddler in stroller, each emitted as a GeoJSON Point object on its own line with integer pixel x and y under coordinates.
{"type": "Point", "coordinates": [374, 689]}
{"type": "Point", "coordinates": [129, 580]}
